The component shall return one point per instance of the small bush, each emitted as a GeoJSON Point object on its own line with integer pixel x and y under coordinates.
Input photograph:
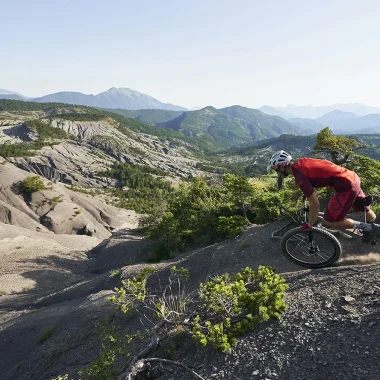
{"type": "Point", "coordinates": [58, 199]}
{"type": "Point", "coordinates": [229, 226]}
{"type": "Point", "coordinates": [115, 272]}
{"type": "Point", "coordinates": [60, 377]}
{"type": "Point", "coordinates": [234, 305]}
{"type": "Point", "coordinates": [32, 184]}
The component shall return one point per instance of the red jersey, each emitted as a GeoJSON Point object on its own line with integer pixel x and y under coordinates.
{"type": "Point", "coordinates": [311, 173]}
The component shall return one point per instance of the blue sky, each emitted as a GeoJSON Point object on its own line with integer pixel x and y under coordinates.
{"type": "Point", "coordinates": [195, 53]}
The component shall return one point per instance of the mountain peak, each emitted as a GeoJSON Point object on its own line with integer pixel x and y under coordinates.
{"type": "Point", "coordinates": [7, 92]}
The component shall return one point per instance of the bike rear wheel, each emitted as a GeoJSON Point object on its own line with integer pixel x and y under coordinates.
{"type": "Point", "coordinates": [317, 249]}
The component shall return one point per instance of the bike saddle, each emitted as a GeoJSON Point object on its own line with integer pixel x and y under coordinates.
{"type": "Point", "coordinates": [366, 201]}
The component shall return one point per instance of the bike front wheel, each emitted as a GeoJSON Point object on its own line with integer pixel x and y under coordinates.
{"type": "Point", "coordinates": [315, 249]}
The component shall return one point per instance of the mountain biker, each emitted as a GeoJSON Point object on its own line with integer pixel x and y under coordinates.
{"type": "Point", "coordinates": [311, 173]}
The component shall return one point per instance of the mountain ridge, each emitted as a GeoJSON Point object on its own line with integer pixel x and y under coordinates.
{"type": "Point", "coordinates": [112, 98]}
{"type": "Point", "coordinates": [288, 112]}
{"type": "Point", "coordinates": [311, 112]}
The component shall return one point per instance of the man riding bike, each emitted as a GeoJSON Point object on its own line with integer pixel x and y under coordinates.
{"type": "Point", "coordinates": [311, 173]}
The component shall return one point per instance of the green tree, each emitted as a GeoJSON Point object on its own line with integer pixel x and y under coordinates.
{"type": "Point", "coordinates": [369, 172]}
{"type": "Point", "coordinates": [239, 191]}
{"type": "Point", "coordinates": [339, 148]}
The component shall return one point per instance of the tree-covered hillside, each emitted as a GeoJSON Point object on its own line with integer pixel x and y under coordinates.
{"type": "Point", "coordinates": [261, 125]}
{"type": "Point", "coordinates": [232, 126]}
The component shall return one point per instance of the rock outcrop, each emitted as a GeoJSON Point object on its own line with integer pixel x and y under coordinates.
{"type": "Point", "coordinates": [57, 208]}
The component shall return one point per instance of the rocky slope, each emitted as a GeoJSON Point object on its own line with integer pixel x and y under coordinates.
{"type": "Point", "coordinates": [329, 329]}
{"type": "Point", "coordinates": [96, 147]}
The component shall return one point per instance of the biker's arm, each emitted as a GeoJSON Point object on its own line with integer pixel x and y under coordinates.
{"type": "Point", "coordinates": [313, 208]}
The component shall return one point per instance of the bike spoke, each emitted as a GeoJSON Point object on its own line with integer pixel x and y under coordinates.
{"type": "Point", "coordinates": [300, 249]}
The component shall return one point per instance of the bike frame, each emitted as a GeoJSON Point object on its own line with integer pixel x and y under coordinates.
{"type": "Point", "coordinates": [346, 233]}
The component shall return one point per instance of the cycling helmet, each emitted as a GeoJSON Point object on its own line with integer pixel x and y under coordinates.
{"type": "Point", "coordinates": [280, 158]}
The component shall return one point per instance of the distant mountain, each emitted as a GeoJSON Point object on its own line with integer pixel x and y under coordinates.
{"type": "Point", "coordinates": [309, 125]}
{"type": "Point", "coordinates": [231, 126]}
{"type": "Point", "coordinates": [368, 130]}
{"type": "Point", "coordinates": [334, 116]}
{"type": "Point", "coordinates": [316, 112]}
{"type": "Point", "coordinates": [356, 125]}
{"type": "Point", "coordinates": [276, 111]}
{"type": "Point", "coordinates": [13, 95]}
{"type": "Point", "coordinates": [124, 98]}
{"type": "Point", "coordinates": [341, 123]}
{"type": "Point", "coordinates": [310, 112]}
{"type": "Point", "coordinates": [7, 92]}
{"type": "Point", "coordinates": [69, 98]}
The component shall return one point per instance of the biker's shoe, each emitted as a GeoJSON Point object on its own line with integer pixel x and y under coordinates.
{"type": "Point", "coordinates": [368, 236]}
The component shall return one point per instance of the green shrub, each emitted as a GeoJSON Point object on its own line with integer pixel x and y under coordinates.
{"type": "Point", "coordinates": [226, 307]}
{"type": "Point", "coordinates": [21, 149]}
{"type": "Point", "coordinates": [115, 272]}
{"type": "Point", "coordinates": [234, 305]}
{"type": "Point", "coordinates": [231, 225]}
{"type": "Point", "coordinates": [61, 377]}
{"type": "Point", "coordinates": [32, 184]}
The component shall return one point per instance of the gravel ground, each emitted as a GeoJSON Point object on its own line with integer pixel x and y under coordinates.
{"type": "Point", "coordinates": [330, 330]}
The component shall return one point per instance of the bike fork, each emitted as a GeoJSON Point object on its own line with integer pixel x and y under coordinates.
{"type": "Point", "coordinates": [313, 248]}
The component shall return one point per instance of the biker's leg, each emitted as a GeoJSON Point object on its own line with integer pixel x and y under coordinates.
{"type": "Point", "coordinates": [344, 224]}
{"type": "Point", "coordinates": [370, 215]}
{"type": "Point", "coordinates": [340, 204]}
{"type": "Point", "coordinates": [337, 210]}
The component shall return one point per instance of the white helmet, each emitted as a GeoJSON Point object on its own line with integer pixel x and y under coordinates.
{"type": "Point", "coordinates": [280, 158]}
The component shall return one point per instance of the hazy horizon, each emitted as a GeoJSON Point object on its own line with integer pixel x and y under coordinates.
{"type": "Point", "coordinates": [215, 53]}
{"type": "Point", "coordinates": [197, 106]}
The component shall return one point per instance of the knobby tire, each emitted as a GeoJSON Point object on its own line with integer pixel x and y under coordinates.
{"type": "Point", "coordinates": [295, 246]}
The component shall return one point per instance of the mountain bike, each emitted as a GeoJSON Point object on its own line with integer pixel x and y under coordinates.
{"type": "Point", "coordinates": [318, 247]}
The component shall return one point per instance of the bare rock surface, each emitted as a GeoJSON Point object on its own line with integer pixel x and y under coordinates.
{"type": "Point", "coordinates": [57, 208]}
